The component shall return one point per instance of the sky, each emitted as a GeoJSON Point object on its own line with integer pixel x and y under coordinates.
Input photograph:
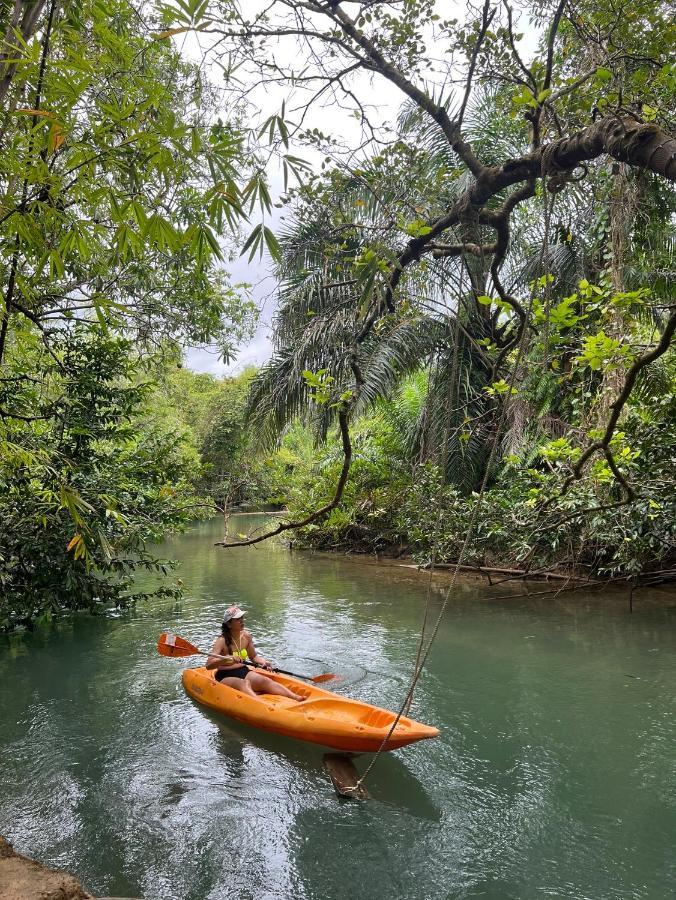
{"type": "Point", "coordinates": [259, 349]}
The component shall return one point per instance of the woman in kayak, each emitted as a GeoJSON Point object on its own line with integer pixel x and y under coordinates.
{"type": "Point", "coordinates": [235, 642]}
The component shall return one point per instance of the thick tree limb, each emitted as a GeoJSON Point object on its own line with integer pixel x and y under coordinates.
{"type": "Point", "coordinates": [441, 250]}
{"type": "Point", "coordinates": [625, 139]}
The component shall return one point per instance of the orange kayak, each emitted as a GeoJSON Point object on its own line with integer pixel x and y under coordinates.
{"type": "Point", "coordinates": [322, 718]}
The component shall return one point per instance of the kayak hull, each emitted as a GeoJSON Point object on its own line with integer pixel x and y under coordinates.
{"type": "Point", "coordinates": [322, 718]}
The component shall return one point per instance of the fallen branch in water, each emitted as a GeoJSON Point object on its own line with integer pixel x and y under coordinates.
{"type": "Point", "coordinates": [595, 585]}
{"type": "Point", "coordinates": [516, 573]}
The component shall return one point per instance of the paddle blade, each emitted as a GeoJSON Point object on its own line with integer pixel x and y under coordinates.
{"type": "Point", "coordinates": [172, 645]}
{"type": "Point", "coordinates": [321, 679]}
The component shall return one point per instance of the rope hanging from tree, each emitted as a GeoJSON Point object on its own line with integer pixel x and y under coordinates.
{"type": "Point", "coordinates": [423, 654]}
{"type": "Point", "coordinates": [454, 394]}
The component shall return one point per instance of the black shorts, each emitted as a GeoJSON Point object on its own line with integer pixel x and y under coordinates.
{"type": "Point", "coordinates": [239, 672]}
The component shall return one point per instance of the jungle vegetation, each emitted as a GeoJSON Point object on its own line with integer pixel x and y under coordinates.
{"type": "Point", "coordinates": [474, 330]}
{"type": "Point", "coordinates": [118, 180]}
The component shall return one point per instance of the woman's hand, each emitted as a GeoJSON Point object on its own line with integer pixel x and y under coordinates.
{"type": "Point", "coordinates": [263, 663]}
{"type": "Point", "coordinates": [218, 660]}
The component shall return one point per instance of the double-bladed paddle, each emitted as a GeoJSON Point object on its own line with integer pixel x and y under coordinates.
{"type": "Point", "coordinates": [172, 645]}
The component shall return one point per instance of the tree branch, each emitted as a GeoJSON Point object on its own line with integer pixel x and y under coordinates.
{"type": "Point", "coordinates": [379, 64]}
{"type": "Point", "coordinates": [616, 409]}
{"type": "Point", "coordinates": [486, 20]}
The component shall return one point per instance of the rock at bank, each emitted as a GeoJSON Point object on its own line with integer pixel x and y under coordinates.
{"type": "Point", "coordinates": [23, 879]}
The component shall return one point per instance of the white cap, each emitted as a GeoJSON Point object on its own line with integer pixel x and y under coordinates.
{"type": "Point", "coordinates": [233, 612]}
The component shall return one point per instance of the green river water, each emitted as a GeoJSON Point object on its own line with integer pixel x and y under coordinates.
{"type": "Point", "coordinates": [554, 774]}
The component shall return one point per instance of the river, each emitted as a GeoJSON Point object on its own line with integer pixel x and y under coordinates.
{"type": "Point", "coordinates": [554, 774]}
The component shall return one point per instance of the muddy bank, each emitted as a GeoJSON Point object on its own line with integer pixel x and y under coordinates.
{"type": "Point", "coordinates": [24, 879]}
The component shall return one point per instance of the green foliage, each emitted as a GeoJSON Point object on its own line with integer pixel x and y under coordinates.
{"type": "Point", "coordinates": [393, 503]}
{"type": "Point", "coordinates": [588, 527]}
{"type": "Point", "coordinates": [87, 479]}
{"type": "Point", "coordinates": [602, 352]}
{"type": "Point", "coordinates": [117, 184]}
{"type": "Point", "coordinates": [211, 411]}
{"type": "Point", "coordinates": [388, 509]}
{"type": "Point", "coordinates": [581, 337]}
{"type": "Point", "coordinates": [378, 476]}
{"type": "Point", "coordinates": [262, 237]}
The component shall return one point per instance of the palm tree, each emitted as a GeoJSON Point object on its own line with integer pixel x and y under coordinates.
{"type": "Point", "coordinates": [331, 250]}
{"type": "Point", "coordinates": [354, 222]}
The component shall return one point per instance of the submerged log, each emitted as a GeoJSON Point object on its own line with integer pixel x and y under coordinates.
{"type": "Point", "coordinates": [345, 777]}
{"type": "Point", "coordinates": [514, 573]}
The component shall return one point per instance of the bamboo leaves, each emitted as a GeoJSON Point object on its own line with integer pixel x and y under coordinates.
{"type": "Point", "coordinates": [121, 183]}
{"type": "Point", "coordinates": [261, 238]}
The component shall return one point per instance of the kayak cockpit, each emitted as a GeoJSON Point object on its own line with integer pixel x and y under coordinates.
{"type": "Point", "coordinates": [352, 713]}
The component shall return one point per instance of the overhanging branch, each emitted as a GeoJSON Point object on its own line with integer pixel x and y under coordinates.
{"type": "Point", "coordinates": [318, 513]}
{"type": "Point", "coordinates": [640, 144]}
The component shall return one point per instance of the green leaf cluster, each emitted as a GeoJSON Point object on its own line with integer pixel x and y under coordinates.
{"type": "Point", "coordinates": [90, 477]}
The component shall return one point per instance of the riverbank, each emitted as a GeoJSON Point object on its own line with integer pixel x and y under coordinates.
{"type": "Point", "coordinates": [22, 878]}
{"type": "Point", "coordinates": [507, 584]}
{"type": "Point", "coordinates": [494, 569]}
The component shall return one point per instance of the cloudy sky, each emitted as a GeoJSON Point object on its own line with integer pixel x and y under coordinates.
{"type": "Point", "coordinates": [258, 350]}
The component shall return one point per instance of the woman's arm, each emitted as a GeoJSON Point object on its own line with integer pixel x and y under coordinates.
{"type": "Point", "coordinates": [255, 656]}
{"type": "Point", "coordinates": [213, 662]}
